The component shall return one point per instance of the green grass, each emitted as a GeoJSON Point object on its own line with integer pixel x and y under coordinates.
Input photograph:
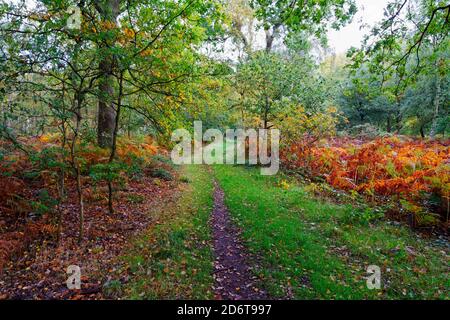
{"type": "Point", "coordinates": [307, 248]}
{"type": "Point", "coordinates": [312, 249]}
{"type": "Point", "coordinates": [173, 260]}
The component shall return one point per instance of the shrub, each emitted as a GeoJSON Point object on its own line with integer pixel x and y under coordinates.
{"type": "Point", "coordinates": [161, 174]}
{"type": "Point", "coordinates": [416, 172]}
{"type": "Point", "coordinates": [185, 179]}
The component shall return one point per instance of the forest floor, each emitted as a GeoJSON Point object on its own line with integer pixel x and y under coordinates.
{"type": "Point", "coordinates": [226, 232]}
{"type": "Point", "coordinates": [288, 244]}
{"type": "Point", "coordinates": [39, 272]}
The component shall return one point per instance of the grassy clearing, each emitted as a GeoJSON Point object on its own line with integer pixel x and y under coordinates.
{"type": "Point", "coordinates": [174, 259]}
{"type": "Point", "coordinates": [312, 249]}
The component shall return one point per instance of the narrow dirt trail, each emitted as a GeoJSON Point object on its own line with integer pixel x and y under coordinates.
{"type": "Point", "coordinates": [232, 272]}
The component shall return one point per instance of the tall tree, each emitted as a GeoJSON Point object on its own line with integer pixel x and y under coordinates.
{"type": "Point", "coordinates": [411, 41]}
{"type": "Point", "coordinates": [312, 16]}
{"type": "Point", "coordinates": [109, 11]}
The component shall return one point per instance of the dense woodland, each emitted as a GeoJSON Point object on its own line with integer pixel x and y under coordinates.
{"type": "Point", "coordinates": [91, 91]}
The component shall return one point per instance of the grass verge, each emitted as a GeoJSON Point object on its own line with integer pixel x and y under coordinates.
{"type": "Point", "coordinates": [173, 260]}
{"type": "Point", "coordinates": [311, 249]}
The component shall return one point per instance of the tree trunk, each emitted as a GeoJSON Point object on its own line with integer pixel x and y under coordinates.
{"type": "Point", "coordinates": [61, 185]}
{"type": "Point", "coordinates": [114, 142]}
{"type": "Point", "coordinates": [106, 112]}
{"type": "Point", "coordinates": [270, 36]}
{"type": "Point", "coordinates": [398, 117]}
{"type": "Point", "coordinates": [398, 123]}
{"type": "Point", "coordinates": [437, 97]}
{"type": "Point", "coordinates": [80, 203]}
{"type": "Point", "coordinates": [76, 165]}
{"type": "Point", "coordinates": [129, 126]}
{"type": "Point", "coordinates": [361, 112]}
{"type": "Point", "coordinates": [266, 113]}
{"type": "Point", "coordinates": [422, 132]}
{"type": "Point", "coordinates": [109, 11]}
{"type": "Point", "coordinates": [269, 41]}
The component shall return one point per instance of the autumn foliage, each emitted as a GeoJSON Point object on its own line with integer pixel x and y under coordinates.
{"type": "Point", "coordinates": [415, 173]}
{"type": "Point", "coordinates": [29, 195]}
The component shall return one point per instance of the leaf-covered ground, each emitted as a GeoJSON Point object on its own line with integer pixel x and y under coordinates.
{"type": "Point", "coordinates": [39, 272]}
{"type": "Point", "coordinates": [305, 248]}
{"type": "Point", "coordinates": [161, 244]}
{"type": "Point", "coordinates": [174, 259]}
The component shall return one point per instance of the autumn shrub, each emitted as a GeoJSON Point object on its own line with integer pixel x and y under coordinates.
{"type": "Point", "coordinates": [47, 163]}
{"type": "Point", "coordinates": [366, 131]}
{"type": "Point", "coordinates": [185, 179]}
{"type": "Point", "coordinates": [164, 160]}
{"type": "Point", "coordinates": [44, 203]}
{"type": "Point", "coordinates": [25, 202]}
{"type": "Point", "coordinates": [127, 149]}
{"type": "Point", "coordinates": [144, 149]}
{"type": "Point", "coordinates": [415, 173]}
{"type": "Point", "coordinates": [161, 174]}
{"type": "Point", "coordinates": [160, 167]}
{"type": "Point", "coordinates": [109, 172]}
{"type": "Point", "coordinates": [11, 189]}
{"type": "Point", "coordinates": [297, 123]}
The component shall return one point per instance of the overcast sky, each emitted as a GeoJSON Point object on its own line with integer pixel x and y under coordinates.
{"type": "Point", "coordinates": [369, 12]}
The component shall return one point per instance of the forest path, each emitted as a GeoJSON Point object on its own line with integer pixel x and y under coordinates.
{"type": "Point", "coordinates": [233, 278]}
{"type": "Point", "coordinates": [286, 241]}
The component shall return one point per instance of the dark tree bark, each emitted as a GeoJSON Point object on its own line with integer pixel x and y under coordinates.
{"type": "Point", "coordinates": [75, 163]}
{"type": "Point", "coordinates": [389, 125]}
{"type": "Point", "coordinates": [398, 122]}
{"type": "Point", "coordinates": [422, 132]}
{"type": "Point", "coordinates": [361, 112]}
{"type": "Point", "coordinates": [266, 113]}
{"type": "Point", "coordinates": [270, 36]}
{"type": "Point", "coordinates": [106, 112]}
{"type": "Point", "coordinates": [114, 142]}
{"type": "Point", "coordinates": [109, 11]}
{"type": "Point", "coordinates": [434, 124]}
